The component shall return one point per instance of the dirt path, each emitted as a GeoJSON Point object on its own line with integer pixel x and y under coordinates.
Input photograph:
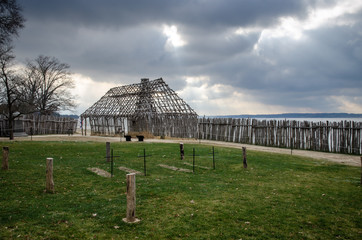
{"type": "Point", "coordinates": [333, 157]}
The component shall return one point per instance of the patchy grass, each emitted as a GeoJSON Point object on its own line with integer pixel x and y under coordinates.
{"type": "Point", "coordinates": [277, 197]}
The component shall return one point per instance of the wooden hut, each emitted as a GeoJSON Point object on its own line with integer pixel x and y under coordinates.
{"type": "Point", "coordinates": [149, 106]}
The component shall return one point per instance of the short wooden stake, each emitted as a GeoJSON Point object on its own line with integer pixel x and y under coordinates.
{"type": "Point", "coordinates": [182, 152]}
{"type": "Point", "coordinates": [49, 176]}
{"type": "Point", "coordinates": [5, 165]}
{"type": "Point", "coordinates": [131, 199]}
{"type": "Point", "coordinates": [244, 157]}
{"type": "Point", "coordinates": [108, 151]}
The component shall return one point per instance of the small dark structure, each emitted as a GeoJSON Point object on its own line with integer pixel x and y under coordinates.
{"type": "Point", "coordinates": [150, 106]}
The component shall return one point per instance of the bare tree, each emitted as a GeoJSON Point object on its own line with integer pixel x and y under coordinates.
{"type": "Point", "coordinates": [10, 20]}
{"type": "Point", "coordinates": [10, 105]}
{"type": "Point", "coordinates": [47, 85]}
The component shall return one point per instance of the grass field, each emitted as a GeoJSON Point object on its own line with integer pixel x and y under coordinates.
{"type": "Point", "coordinates": [276, 197]}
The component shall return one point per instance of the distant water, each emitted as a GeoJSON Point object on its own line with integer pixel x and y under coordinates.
{"type": "Point", "coordinates": [315, 119]}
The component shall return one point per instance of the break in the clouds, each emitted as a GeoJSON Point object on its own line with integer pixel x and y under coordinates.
{"type": "Point", "coordinates": [222, 57]}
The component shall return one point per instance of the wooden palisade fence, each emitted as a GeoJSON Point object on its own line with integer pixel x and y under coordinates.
{"type": "Point", "coordinates": [338, 137]}
{"type": "Point", "coordinates": [49, 124]}
{"type": "Point", "coordinates": [41, 124]}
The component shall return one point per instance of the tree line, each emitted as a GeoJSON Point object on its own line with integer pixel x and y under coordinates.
{"type": "Point", "coordinates": [41, 86]}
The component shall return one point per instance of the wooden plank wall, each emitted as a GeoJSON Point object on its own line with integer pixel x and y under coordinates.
{"type": "Point", "coordinates": [338, 137]}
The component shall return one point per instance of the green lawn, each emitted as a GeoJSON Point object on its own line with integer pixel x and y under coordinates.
{"type": "Point", "coordinates": [276, 197]}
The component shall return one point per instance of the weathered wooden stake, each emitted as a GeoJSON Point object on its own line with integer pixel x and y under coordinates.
{"type": "Point", "coordinates": [244, 157]}
{"type": "Point", "coordinates": [49, 176]}
{"type": "Point", "coordinates": [131, 199]}
{"type": "Point", "coordinates": [5, 165]}
{"type": "Point", "coordinates": [182, 152]}
{"type": "Point", "coordinates": [108, 151]}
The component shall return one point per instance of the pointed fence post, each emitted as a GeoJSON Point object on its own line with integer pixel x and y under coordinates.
{"type": "Point", "coordinates": [5, 165]}
{"type": "Point", "coordinates": [131, 199]}
{"type": "Point", "coordinates": [244, 158]}
{"type": "Point", "coordinates": [49, 176]}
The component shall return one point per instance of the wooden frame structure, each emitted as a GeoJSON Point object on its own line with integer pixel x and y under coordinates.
{"type": "Point", "coordinates": [149, 106]}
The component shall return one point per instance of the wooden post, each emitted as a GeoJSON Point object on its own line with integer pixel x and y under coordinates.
{"type": "Point", "coordinates": [85, 127]}
{"type": "Point", "coordinates": [5, 165]}
{"type": "Point", "coordinates": [49, 176]}
{"type": "Point", "coordinates": [244, 158]}
{"type": "Point", "coordinates": [361, 170]}
{"type": "Point", "coordinates": [131, 199]}
{"type": "Point", "coordinates": [81, 123]}
{"type": "Point", "coordinates": [182, 152]}
{"type": "Point", "coordinates": [108, 151]}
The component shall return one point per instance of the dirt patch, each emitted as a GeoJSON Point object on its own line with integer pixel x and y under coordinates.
{"type": "Point", "coordinates": [189, 164]}
{"type": "Point", "coordinates": [100, 172]}
{"type": "Point", "coordinates": [175, 168]}
{"type": "Point", "coordinates": [128, 170]}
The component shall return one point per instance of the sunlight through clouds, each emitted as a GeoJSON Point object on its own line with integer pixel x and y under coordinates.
{"type": "Point", "coordinates": [174, 39]}
{"type": "Point", "coordinates": [291, 27]}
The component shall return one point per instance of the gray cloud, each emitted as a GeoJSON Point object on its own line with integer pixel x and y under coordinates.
{"type": "Point", "coordinates": [120, 42]}
{"type": "Point", "coordinates": [211, 13]}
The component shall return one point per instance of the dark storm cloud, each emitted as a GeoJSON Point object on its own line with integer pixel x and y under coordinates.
{"type": "Point", "coordinates": [57, 24]}
{"type": "Point", "coordinates": [122, 41]}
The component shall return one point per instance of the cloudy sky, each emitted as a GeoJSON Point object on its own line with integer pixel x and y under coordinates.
{"type": "Point", "coordinates": [220, 56]}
